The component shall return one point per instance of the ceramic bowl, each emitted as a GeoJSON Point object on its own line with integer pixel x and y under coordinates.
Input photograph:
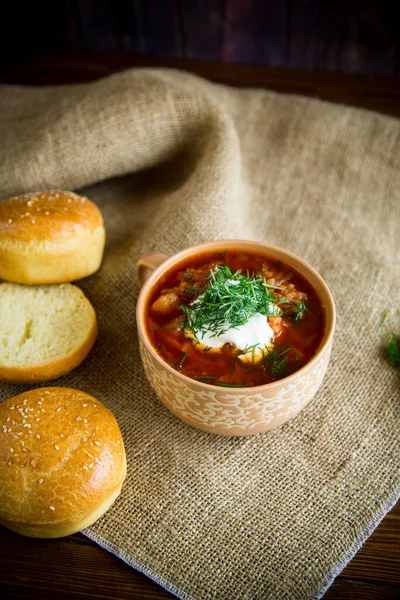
{"type": "Point", "coordinates": [233, 411]}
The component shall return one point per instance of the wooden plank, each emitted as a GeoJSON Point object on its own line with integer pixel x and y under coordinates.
{"type": "Point", "coordinates": [159, 27]}
{"type": "Point", "coordinates": [202, 23]}
{"type": "Point", "coordinates": [381, 94]}
{"type": "Point", "coordinates": [302, 34]}
{"type": "Point", "coordinates": [97, 25]}
{"type": "Point", "coordinates": [75, 567]}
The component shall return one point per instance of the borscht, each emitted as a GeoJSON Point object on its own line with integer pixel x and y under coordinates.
{"type": "Point", "coordinates": [234, 318]}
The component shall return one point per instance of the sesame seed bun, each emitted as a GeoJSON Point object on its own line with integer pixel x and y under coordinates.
{"type": "Point", "coordinates": [62, 462]}
{"type": "Point", "coordinates": [49, 237]}
{"type": "Point", "coordinates": [45, 331]}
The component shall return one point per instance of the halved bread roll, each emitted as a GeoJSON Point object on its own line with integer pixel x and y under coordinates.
{"type": "Point", "coordinates": [49, 237]}
{"type": "Point", "coordinates": [45, 331]}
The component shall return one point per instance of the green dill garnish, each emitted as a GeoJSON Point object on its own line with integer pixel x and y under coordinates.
{"type": "Point", "coordinates": [230, 300]}
{"type": "Point", "coordinates": [229, 385]}
{"type": "Point", "coordinates": [385, 318]}
{"type": "Point", "coordinates": [184, 357]}
{"type": "Point", "coordinates": [277, 360]}
{"type": "Point", "coordinates": [392, 347]}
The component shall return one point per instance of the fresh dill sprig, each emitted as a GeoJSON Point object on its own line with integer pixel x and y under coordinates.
{"type": "Point", "coordinates": [392, 347]}
{"type": "Point", "coordinates": [229, 300]}
{"type": "Point", "coordinates": [277, 360]}
{"type": "Point", "coordinates": [184, 357]}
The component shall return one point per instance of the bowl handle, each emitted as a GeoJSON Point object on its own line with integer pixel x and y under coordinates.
{"type": "Point", "coordinates": [145, 266]}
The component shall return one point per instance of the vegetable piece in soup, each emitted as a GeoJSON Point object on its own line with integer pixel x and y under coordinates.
{"type": "Point", "coordinates": [234, 319]}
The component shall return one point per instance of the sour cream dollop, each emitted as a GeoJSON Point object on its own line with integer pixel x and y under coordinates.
{"type": "Point", "coordinates": [255, 333]}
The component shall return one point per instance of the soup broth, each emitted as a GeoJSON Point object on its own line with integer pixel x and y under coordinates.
{"type": "Point", "coordinates": [234, 319]}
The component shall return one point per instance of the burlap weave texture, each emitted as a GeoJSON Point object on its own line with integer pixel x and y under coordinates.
{"type": "Point", "coordinates": [279, 514]}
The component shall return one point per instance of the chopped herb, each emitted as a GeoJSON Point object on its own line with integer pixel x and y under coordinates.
{"type": "Point", "coordinates": [385, 318]}
{"type": "Point", "coordinates": [229, 385]}
{"type": "Point", "coordinates": [277, 360]}
{"type": "Point", "coordinates": [230, 300]}
{"type": "Point", "coordinates": [393, 349]}
{"type": "Point", "coordinates": [184, 357]}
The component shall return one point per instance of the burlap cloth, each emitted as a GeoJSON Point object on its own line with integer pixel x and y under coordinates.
{"type": "Point", "coordinates": [277, 515]}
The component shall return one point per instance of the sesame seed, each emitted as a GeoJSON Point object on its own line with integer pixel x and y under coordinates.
{"type": "Point", "coordinates": [65, 209]}
{"type": "Point", "coordinates": [27, 409]}
{"type": "Point", "coordinates": [26, 425]}
{"type": "Point", "coordinates": [52, 508]}
{"type": "Point", "coordinates": [11, 407]}
{"type": "Point", "coordinates": [78, 418]}
{"type": "Point", "coordinates": [118, 442]}
{"type": "Point", "coordinates": [11, 450]}
{"type": "Point", "coordinates": [10, 220]}
{"type": "Point", "coordinates": [33, 221]}
{"type": "Point", "coordinates": [9, 430]}
{"type": "Point", "coordinates": [29, 431]}
{"type": "Point", "coordinates": [42, 410]}
{"type": "Point", "coordinates": [69, 200]}
{"type": "Point", "coordinates": [39, 402]}
{"type": "Point", "coordinates": [4, 429]}
{"type": "Point", "coordinates": [12, 422]}
{"type": "Point", "coordinates": [33, 463]}
{"type": "Point", "coordinates": [85, 420]}
{"type": "Point", "coordinates": [22, 443]}
{"type": "Point", "coordinates": [38, 436]}
{"type": "Point", "coordinates": [97, 460]}
{"type": "Point", "coordinates": [46, 212]}
{"type": "Point", "coordinates": [40, 480]}
{"type": "Point", "coordinates": [97, 443]}
{"type": "Point", "coordinates": [84, 439]}
{"type": "Point", "coordinates": [85, 467]}
{"type": "Point", "coordinates": [56, 447]}
{"type": "Point", "coordinates": [29, 203]}
{"type": "Point", "coordinates": [94, 405]}
{"type": "Point", "coordinates": [120, 453]}
{"type": "Point", "coordinates": [84, 405]}
{"type": "Point", "coordinates": [58, 409]}
{"type": "Point", "coordinates": [61, 435]}
{"type": "Point", "coordinates": [8, 419]}
{"type": "Point", "coordinates": [24, 450]}
{"type": "Point", "coordinates": [90, 443]}
{"type": "Point", "coordinates": [37, 419]}
{"type": "Point", "coordinates": [9, 463]}
{"type": "Point", "coordinates": [91, 466]}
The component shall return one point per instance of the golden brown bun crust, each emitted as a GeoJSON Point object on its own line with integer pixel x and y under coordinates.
{"type": "Point", "coordinates": [62, 461]}
{"type": "Point", "coordinates": [48, 216]}
{"type": "Point", "coordinates": [49, 237]}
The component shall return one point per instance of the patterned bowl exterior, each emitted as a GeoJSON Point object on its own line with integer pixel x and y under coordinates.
{"type": "Point", "coordinates": [235, 412]}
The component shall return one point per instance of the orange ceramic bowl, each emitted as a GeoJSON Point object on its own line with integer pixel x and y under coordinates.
{"type": "Point", "coordinates": [233, 411]}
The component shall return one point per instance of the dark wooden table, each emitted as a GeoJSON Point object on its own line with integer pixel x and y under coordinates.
{"type": "Point", "coordinates": [74, 567]}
